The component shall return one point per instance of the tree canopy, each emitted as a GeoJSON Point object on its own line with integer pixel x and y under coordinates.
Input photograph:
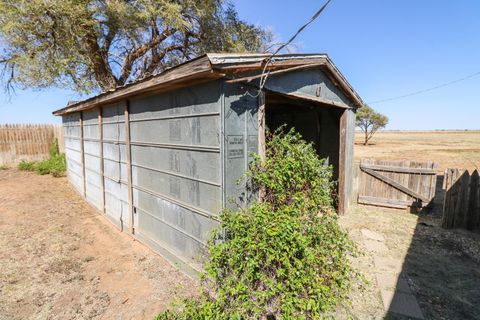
{"type": "Point", "coordinates": [91, 45]}
{"type": "Point", "coordinates": [370, 121]}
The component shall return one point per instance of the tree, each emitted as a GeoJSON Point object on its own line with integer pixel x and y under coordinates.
{"type": "Point", "coordinates": [370, 121]}
{"type": "Point", "coordinates": [91, 45]}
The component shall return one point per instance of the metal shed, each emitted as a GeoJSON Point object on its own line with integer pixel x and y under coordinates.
{"type": "Point", "coordinates": [160, 157]}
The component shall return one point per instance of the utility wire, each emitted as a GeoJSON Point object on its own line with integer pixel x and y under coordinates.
{"type": "Point", "coordinates": [446, 84]}
{"type": "Point", "coordinates": [271, 59]}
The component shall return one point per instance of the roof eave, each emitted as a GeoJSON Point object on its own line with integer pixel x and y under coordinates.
{"type": "Point", "coordinates": [195, 69]}
{"type": "Point", "coordinates": [209, 67]}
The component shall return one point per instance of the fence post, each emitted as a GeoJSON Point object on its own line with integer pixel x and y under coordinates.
{"type": "Point", "coordinates": [473, 212]}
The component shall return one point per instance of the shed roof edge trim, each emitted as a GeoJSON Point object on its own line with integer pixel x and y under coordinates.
{"type": "Point", "coordinates": [209, 66]}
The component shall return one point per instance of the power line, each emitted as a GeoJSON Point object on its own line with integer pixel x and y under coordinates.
{"type": "Point", "coordinates": [270, 59]}
{"type": "Point", "coordinates": [426, 90]}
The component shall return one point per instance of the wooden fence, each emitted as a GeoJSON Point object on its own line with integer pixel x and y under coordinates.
{"type": "Point", "coordinates": [396, 184]}
{"type": "Point", "coordinates": [28, 142]}
{"type": "Point", "coordinates": [461, 208]}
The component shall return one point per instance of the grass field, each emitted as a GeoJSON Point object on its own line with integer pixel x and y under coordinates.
{"type": "Point", "coordinates": [450, 149]}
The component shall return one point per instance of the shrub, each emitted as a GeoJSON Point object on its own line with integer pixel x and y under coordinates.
{"type": "Point", "coordinates": [54, 165]}
{"type": "Point", "coordinates": [26, 166]}
{"type": "Point", "coordinates": [3, 167]}
{"type": "Point", "coordinates": [283, 258]}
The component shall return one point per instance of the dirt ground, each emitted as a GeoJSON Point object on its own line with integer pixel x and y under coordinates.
{"type": "Point", "coordinates": [60, 260]}
{"type": "Point", "coordinates": [450, 149]}
{"type": "Point", "coordinates": [442, 267]}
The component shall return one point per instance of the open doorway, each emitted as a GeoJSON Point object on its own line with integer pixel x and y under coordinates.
{"type": "Point", "coordinates": [317, 123]}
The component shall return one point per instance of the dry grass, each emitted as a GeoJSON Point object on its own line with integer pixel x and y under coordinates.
{"type": "Point", "coordinates": [450, 149]}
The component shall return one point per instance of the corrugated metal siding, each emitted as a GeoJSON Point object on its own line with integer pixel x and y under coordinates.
{"type": "Point", "coordinates": [73, 150]}
{"type": "Point", "coordinates": [176, 169]}
{"type": "Point", "coordinates": [115, 165]}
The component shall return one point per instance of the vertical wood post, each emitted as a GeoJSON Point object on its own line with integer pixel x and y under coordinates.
{"type": "Point", "coordinates": [102, 169]}
{"type": "Point", "coordinates": [82, 153]}
{"type": "Point", "coordinates": [261, 125]}
{"type": "Point", "coordinates": [261, 135]}
{"type": "Point", "coordinates": [342, 162]}
{"type": "Point", "coordinates": [129, 168]}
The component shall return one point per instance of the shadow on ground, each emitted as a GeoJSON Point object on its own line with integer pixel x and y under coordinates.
{"type": "Point", "coordinates": [441, 270]}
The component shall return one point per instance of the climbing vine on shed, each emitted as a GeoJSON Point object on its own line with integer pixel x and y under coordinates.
{"type": "Point", "coordinates": [283, 258]}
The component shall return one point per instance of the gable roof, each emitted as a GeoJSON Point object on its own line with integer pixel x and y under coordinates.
{"type": "Point", "coordinates": [215, 66]}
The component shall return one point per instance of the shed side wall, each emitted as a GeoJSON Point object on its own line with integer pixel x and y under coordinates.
{"type": "Point", "coordinates": [176, 168]}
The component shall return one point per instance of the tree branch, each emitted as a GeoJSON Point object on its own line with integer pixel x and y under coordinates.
{"type": "Point", "coordinates": [140, 51]}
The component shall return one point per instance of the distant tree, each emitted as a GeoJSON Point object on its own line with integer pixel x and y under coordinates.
{"type": "Point", "coordinates": [91, 45]}
{"type": "Point", "coordinates": [370, 121]}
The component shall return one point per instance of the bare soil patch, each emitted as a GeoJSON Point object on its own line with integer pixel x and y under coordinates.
{"type": "Point", "coordinates": [442, 267]}
{"type": "Point", "coordinates": [59, 259]}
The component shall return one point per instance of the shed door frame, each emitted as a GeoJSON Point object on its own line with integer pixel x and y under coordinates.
{"type": "Point", "coordinates": [261, 117]}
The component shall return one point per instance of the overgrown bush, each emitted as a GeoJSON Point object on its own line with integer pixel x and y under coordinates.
{"type": "Point", "coordinates": [54, 165]}
{"type": "Point", "coordinates": [284, 257]}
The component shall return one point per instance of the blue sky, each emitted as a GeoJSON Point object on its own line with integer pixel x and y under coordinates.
{"type": "Point", "coordinates": [384, 48]}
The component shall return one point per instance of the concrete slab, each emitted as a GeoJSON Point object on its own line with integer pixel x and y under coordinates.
{"type": "Point", "coordinates": [388, 264]}
{"type": "Point", "coordinates": [392, 282]}
{"type": "Point", "coordinates": [372, 235]}
{"type": "Point", "coordinates": [374, 246]}
{"type": "Point", "coordinates": [401, 303]}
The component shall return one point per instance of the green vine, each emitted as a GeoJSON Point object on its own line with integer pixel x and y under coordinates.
{"type": "Point", "coordinates": [284, 257]}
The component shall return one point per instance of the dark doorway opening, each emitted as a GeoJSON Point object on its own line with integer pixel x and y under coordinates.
{"type": "Point", "coordinates": [317, 123]}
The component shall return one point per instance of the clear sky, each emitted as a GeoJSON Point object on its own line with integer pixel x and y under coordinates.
{"type": "Point", "coordinates": [384, 48]}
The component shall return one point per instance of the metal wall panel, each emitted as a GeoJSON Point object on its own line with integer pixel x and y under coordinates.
{"type": "Point", "coordinates": [311, 82]}
{"type": "Point", "coordinates": [92, 161]}
{"type": "Point", "coordinates": [192, 131]}
{"type": "Point", "coordinates": [241, 139]}
{"type": "Point", "coordinates": [73, 156]}
{"type": "Point", "coordinates": [200, 165]}
{"type": "Point", "coordinates": [114, 162]}
{"type": "Point", "coordinates": [176, 167]}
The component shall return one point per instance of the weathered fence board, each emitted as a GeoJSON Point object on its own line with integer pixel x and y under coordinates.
{"type": "Point", "coordinates": [396, 184]}
{"type": "Point", "coordinates": [461, 208]}
{"type": "Point", "coordinates": [28, 142]}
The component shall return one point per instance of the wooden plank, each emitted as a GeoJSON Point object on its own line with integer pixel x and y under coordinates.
{"type": "Point", "coordinates": [476, 206]}
{"type": "Point", "coordinates": [462, 202]}
{"type": "Point", "coordinates": [384, 202]}
{"type": "Point", "coordinates": [395, 184]}
{"type": "Point", "coordinates": [272, 73]}
{"type": "Point", "coordinates": [129, 168]}
{"type": "Point", "coordinates": [451, 198]}
{"type": "Point", "coordinates": [341, 163]}
{"type": "Point", "coordinates": [102, 164]}
{"type": "Point", "coordinates": [261, 135]}
{"type": "Point", "coordinates": [82, 152]}
{"type": "Point", "coordinates": [261, 126]}
{"type": "Point", "coordinates": [473, 201]}
{"type": "Point", "coordinates": [305, 97]}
